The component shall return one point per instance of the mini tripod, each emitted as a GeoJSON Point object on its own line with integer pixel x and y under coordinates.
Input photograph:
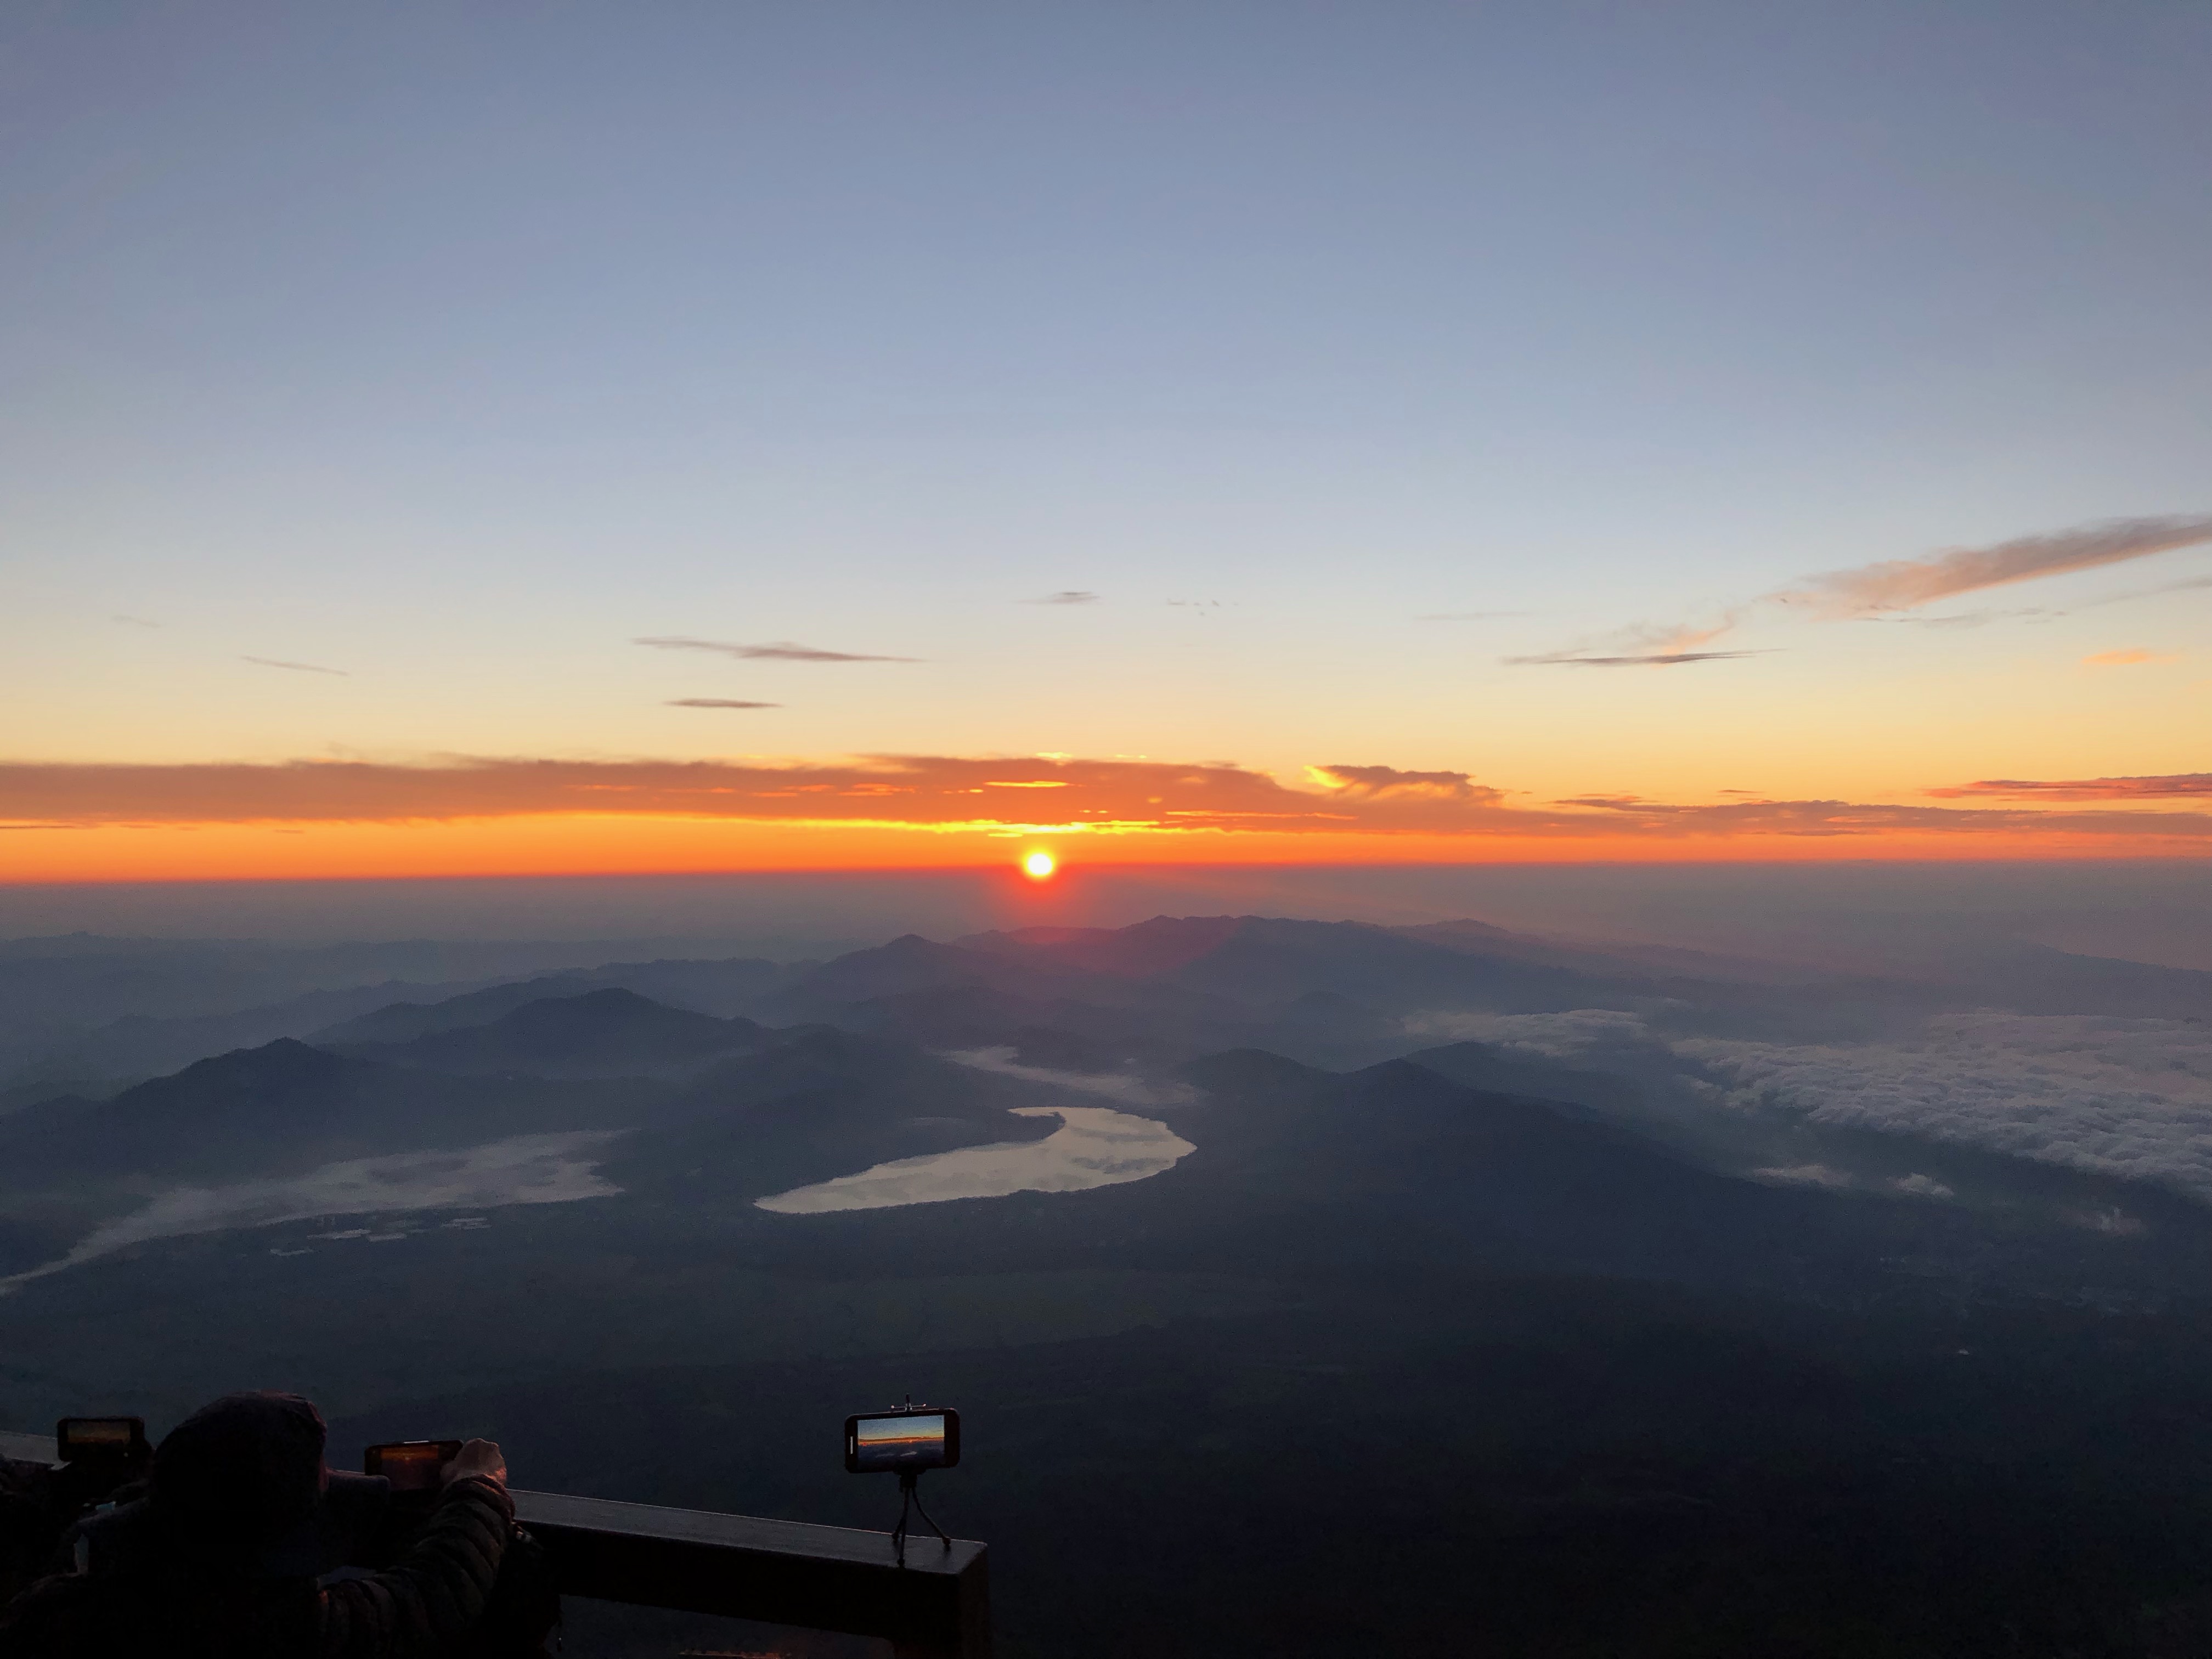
{"type": "Point", "coordinates": [910, 1494]}
{"type": "Point", "coordinates": [906, 1441]}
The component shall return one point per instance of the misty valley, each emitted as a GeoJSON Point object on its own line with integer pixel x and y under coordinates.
{"type": "Point", "coordinates": [1305, 1287]}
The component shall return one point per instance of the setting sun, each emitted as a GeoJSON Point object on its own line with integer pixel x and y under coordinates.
{"type": "Point", "coordinates": [1039, 865]}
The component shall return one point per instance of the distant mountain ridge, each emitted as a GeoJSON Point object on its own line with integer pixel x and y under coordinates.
{"type": "Point", "coordinates": [844, 1064]}
{"type": "Point", "coordinates": [283, 1109]}
{"type": "Point", "coordinates": [610, 1032]}
{"type": "Point", "coordinates": [1169, 987]}
{"type": "Point", "coordinates": [720, 987]}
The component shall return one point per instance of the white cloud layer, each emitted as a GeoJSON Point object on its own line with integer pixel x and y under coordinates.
{"type": "Point", "coordinates": [1556, 1036]}
{"type": "Point", "coordinates": [552, 1169]}
{"type": "Point", "coordinates": [2129, 1097]}
{"type": "Point", "coordinates": [1119, 1086]}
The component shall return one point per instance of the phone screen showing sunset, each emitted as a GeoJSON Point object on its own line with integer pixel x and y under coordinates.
{"type": "Point", "coordinates": [901, 1442]}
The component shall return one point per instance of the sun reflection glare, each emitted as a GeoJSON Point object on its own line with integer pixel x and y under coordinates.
{"type": "Point", "coordinates": [1039, 865]}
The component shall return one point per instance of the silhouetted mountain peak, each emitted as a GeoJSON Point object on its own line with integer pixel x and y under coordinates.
{"type": "Point", "coordinates": [281, 1067]}
{"type": "Point", "coordinates": [1237, 1076]}
{"type": "Point", "coordinates": [209, 1097]}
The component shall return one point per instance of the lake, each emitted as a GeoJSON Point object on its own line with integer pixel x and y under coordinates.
{"type": "Point", "coordinates": [1094, 1146]}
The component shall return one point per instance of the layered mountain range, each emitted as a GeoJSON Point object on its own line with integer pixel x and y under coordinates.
{"type": "Point", "coordinates": [1493, 1219]}
{"type": "Point", "coordinates": [1293, 1056]}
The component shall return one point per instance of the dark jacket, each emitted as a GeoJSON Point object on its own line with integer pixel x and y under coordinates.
{"type": "Point", "coordinates": [192, 1610]}
{"type": "Point", "coordinates": [224, 1556]}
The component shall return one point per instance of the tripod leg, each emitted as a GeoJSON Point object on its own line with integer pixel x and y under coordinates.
{"type": "Point", "coordinates": [906, 1495]}
{"type": "Point", "coordinates": [924, 1514]}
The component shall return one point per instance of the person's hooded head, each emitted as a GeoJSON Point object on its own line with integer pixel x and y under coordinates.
{"type": "Point", "coordinates": [239, 1482]}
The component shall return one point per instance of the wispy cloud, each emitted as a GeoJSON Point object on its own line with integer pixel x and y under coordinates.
{"type": "Point", "coordinates": [718, 702]}
{"type": "Point", "coordinates": [1065, 596]}
{"type": "Point", "coordinates": [2172, 786]}
{"type": "Point", "coordinates": [774, 651]}
{"type": "Point", "coordinates": [296, 667]}
{"type": "Point", "coordinates": [922, 792]}
{"type": "Point", "coordinates": [2193, 584]}
{"type": "Point", "coordinates": [1124, 1088]}
{"type": "Point", "coordinates": [2129, 658]}
{"type": "Point", "coordinates": [1879, 592]}
{"type": "Point", "coordinates": [2044, 613]}
{"type": "Point", "coordinates": [1908, 584]}
{"type": "Point", "coordinates": [1971, 618]}
{"type": "Point", "coordinates": [1648, 659]}
{"type": "Point", "coordinates": [1645, 646]}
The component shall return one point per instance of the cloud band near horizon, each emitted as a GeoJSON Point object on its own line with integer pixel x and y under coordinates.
{"type": "Point", "coordinates": [936, 793]}
{"type": "Point", "coordinates": [2179, 785]}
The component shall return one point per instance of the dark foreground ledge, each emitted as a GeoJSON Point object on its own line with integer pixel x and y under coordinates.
{"type": "Point", "coordinates": [783, 1573]}
{"type": "Point", "coordinates": [738, 1567]}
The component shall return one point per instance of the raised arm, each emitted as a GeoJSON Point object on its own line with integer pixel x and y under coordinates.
{"type": "Point", "coordinates": [438, 1587]}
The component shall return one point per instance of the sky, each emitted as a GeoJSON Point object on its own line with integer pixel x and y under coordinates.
{"type": "Point", "coordinates": [593, 438]}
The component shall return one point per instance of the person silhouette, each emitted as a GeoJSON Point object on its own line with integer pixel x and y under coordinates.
{"type": "Point", "coordinates": [226, 1555]}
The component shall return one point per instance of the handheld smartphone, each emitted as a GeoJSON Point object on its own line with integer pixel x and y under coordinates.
{"type": "Point", "coordinates": [899, 1442]}
{"type": "Point", "coordinates": [411, 1464]}
{"type": "Point", "coordinates": [79, 1439]}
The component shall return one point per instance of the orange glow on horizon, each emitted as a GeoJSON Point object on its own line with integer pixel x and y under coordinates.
{"type": "Point", "coordinates": [583, 844]}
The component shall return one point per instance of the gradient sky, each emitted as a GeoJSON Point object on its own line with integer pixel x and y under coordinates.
{"type": "Point", "coordinates": [1216, 383]}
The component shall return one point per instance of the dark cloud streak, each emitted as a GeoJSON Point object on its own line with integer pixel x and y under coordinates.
{"type": "Point", "coordinates": [1651, 659]}
{"type": "Point", "coordinates": [773, 651]}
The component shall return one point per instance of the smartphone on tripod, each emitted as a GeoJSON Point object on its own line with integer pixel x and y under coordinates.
{"type": "Point", "coordinates": [904, 1440]}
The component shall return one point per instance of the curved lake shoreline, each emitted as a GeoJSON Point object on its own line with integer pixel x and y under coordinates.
{"type": "Point", "coordinates": [1094, 1146]}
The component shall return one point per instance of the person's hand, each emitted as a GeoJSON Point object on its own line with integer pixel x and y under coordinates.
{"type": "Point", "coordinates": [480, 1458]}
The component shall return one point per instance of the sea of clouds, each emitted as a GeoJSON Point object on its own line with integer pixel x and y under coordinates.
{"type": "Point", "coordinates": [2130, 1097]}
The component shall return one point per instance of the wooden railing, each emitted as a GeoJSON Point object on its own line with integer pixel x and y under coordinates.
{"type": "Point", "coordinates": [936, 1605]}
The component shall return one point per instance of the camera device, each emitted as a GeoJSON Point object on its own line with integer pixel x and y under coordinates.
{"type": "Point", "coordinates": [117, 1440]}
{"type": "Point", "coordinates": [411, 1466]}
{"type": "Point", "coordinates": [98, 1455]}
{"type": "Point", "coordinates": [905, 1441]}
{"type": "Point", "coordinates": [908, 1438]}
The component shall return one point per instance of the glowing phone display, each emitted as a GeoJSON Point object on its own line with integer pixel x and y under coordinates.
{"type": "Point", "coordinates": [896, 1442]}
